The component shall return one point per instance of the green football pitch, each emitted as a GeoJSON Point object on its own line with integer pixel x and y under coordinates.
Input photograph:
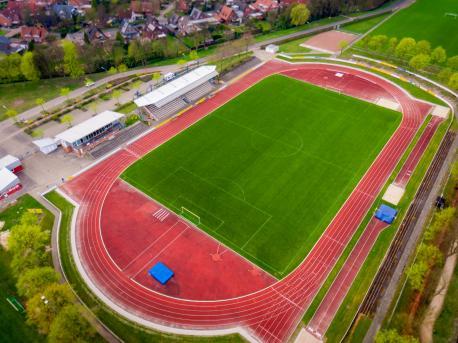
{"type": "Point", "coordinates": [426, 19]}
{"type": "Point", "coordinates": [265, 173]}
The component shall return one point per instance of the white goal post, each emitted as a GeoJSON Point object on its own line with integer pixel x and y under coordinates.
{"type": "Point", "coordinates": [186, 213]}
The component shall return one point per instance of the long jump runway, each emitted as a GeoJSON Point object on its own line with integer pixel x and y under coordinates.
{"type": "Point", "coordinates": [272, 313]}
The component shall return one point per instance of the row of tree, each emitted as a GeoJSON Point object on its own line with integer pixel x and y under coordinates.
{"type": "Point", "coordinates": [419, 56]}
{"type": "Point", "coordinates": [51, 306]}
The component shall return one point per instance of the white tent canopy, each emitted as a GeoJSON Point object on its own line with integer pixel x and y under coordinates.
{"type": "Point", "coordinates": [178, 87]}
{"type": "Point", "coordinates": [46, 145]}
{"type": "Point", "coordinates": [89, 126]}
{"type": "Point", "coordinates": [7, 180]}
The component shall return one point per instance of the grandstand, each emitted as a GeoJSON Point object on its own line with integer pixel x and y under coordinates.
{"type": "Point", "coordinates": [177, 94]}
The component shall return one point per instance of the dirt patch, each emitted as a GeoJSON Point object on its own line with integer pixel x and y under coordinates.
{"type": "Point", "coordinates": [4, 239]}
{"type": "Point", "coordinates": [329, 41]}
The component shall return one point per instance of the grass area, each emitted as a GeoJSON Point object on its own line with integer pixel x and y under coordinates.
{"type": "Point", "coordinates": [308, 26]}
{"type": "Point", "coordinates": [294, 46]}
{"type": "Point", "coordinates": [127, 331]}
{"type": "Point", "coordinates": [361, 284]}
{"type": "Point", "coordinates": [283, 171]}
{"type": "Point", "coordinates": [445, 326]}
{"type": "Point", "coordinates": [12, 214]}
{"type": "Point", "coordinates": [13, 327]}
{"type": "Point", "coordinates": [364, 25]}
{"type": "Point", "coordinates": [21, 96]}
{"type": "Point", "coordinates": [127, 108]}
{"type": "Point", "coordinates": [409, 87]}
{"type": "Point", "coordinates": [426, 19]}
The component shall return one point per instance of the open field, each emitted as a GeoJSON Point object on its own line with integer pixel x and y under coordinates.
{"type": "Point", "coordinates": [426, 19]}
{"type": "Point", "coordinates": [364, 25]}
{"type": "Point", "coordinates": [266, 173]}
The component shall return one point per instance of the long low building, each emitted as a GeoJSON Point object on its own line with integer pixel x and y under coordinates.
{"type": "Point", "coordinates": [11, 163]}
{"type": "Point", "coordinates": [84, 135]}
{"type": "Point", "coordinates": [9, 183]}
{"type": "Point", "coordinates": [177, 94]}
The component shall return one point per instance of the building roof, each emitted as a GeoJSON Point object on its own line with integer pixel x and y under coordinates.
{"type": "Point", "coordinates": [7, 179]}
{"type": "Point", "coordinates": [226, 13]}
{"type": "Point", "coordinates": [89, 126]}
{"type": "Point", "coordinates": [8, 160]}
{"type": "Point", "coordinates": [177, 87]}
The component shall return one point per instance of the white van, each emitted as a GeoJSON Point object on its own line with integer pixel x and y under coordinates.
{"type": "Point", "coordinates": [169, 76]}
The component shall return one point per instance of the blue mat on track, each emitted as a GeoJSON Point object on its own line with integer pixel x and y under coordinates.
{"type": "Point", "coordinates": [161, 273]}
{"type": "Point", "coordinates": [386, 214]}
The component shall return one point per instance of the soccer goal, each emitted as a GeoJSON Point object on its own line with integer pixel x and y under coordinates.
{"type": "Point", "coordinates": [188, 214]}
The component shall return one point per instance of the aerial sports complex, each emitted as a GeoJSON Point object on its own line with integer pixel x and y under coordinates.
{"type": "Point", "coordinates": [230, 216]}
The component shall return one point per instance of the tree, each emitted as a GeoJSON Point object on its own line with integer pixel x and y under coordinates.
{"type": "Point", "coordinates": [420, 61]}
{"type": "Point", "coordinates": [67, 119]}
{"type": "Point", "coordinates": [116, 94]}
{"type": "Point", "coordinates": [444, 74]}
{"type": "Point", "coordinates": [377, 42]}
{"type": "Point", "coordinates": [156, 76]}
{"type": "Point", "coordinates": [122, 68]}
{"type": "Point", "coordinates": [416, 275]}
{"type": "Point", "coordinates": [392, 336]}
{"type": "Point", "coordinates": [93, 107]}
{"type": "Point", "coordinates": [112, 71]}
{"type": "Point", "coordinates": [118, 55]}
{"type": "Point", "coordinates": [392, 43]}
{"type": "Point", "coordinates": [452, 62]}
{"type": "Point", "coordinates": [453, 82]}
{"type": "Point", "coordinates": [43, 307]}
{"type": "Point", "coordinates": [299, 14]}
{"type": "Point", "coordinates": [193, 55]}
{"type": "Point", "coordinates": [11, 113]}
{"type": "Point", "coordinates": [40, 102]}
{"type": "Point", "coordinates": [27, 243]}
{"type": "Point", "coordinates": [35, 280]}
{"type": "Point", "coordinates": [405, 48]}
{"type": "Point", "coordinates": [441, 222]}
{"type": "Point", "coordinates": [247, 39]}
{"type": "Point", "coordinates": [28, 68]}
{"type": "Point", "coordinates": [438, 55]}
{"type": "Point", "coordinates": [423, 47]}
{"type": "Point", "coordinates": [65, 91]}
{"type": "Point", "coordinates": [135, 52]}
{"type": "Point", "coordinates": [70, 326]}
{"type": "Point", "coordinates": [429, 253]}
{"type": "Point", "coordinates": [72, 64]}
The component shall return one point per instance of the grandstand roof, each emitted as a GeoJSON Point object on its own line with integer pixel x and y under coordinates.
{"type": "Point", "coordinates": [89, 126]}
{"type": "Point", "coordinates": [177, 87]}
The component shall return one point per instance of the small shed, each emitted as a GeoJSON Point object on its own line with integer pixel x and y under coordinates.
{"type": "Point", "coordinates": [386, 214]}
{"type": "Point", "coordinates": [272, 48]}
{"type": "Point", "coordinates": [46, 145]}
{"type": "Point", "coordinates": [9, 183]}
{"type": "Point", "coordinates": [12, 163]}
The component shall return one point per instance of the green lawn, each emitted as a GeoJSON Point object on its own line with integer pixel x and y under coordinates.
{"type": "Point", "coordinates": [364, 25]}
{"type": "Point", "coordinates": [267, 172]}
{"type": "Point", "coordinates": [425, 19]}
{"type": "Point", "coordinates": [294, 46]}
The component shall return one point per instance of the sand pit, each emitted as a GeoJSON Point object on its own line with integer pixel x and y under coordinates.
{"type": "Point", "coordinates": [329, 41]}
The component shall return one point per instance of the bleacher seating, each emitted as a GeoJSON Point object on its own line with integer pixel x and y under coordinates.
{"type": "Point", "coordinates": [180, 103]}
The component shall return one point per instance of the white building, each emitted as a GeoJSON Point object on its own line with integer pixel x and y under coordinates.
{"type": "Point", "coordinates": [46, 145]}
{"type": "Point", "coordinates": [9, 183]}
{"type": "Point", "coordinates": [272, 48]}
{"type": "Point", "coordinates": [177, 93]}
{"type": "Point", "coordinates": [11, 163]}
{"type": "Point", "coordinates": [85, 134]}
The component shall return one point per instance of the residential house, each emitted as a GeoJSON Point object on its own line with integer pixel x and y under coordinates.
{"type": "Point", "coordinates": [7, 47]}
{"type": "Point", "coordinates": [226, 15]}
{"type": "Point", "coordinates": [64, 12]}
{"type": "Point", "coordinates": [80, 5]}
{"type": "Point", "coordinates": [154, 29]}
{"type": "Point", "coordinates": [93, 33]}
{"type": "Point", "coordinates": [33, 33]}
{"type": "Point", "coordinates": [182, 6]}
{"type": "Point", "coordinates": [265, 6]}
{"type": "Point", "coordinates": [141, 9]}
{"type": "Point", "coordinates": [129, 31]}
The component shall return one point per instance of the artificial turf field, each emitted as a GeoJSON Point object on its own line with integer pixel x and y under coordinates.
{"type": "Point", "coordinates": [268, 171]}
{"type": "Point", "coordinates": [426, 19]}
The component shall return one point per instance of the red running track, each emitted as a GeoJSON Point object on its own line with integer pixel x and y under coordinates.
{"type": "Point", "coordinates": [270, 314]}
{"type": "Point", "coordinates": [330, 304]}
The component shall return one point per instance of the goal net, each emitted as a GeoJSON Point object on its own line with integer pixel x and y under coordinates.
{"type": "Point", "coordinates": [188, 214]}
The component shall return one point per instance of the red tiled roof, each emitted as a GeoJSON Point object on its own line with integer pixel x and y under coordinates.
{"type": "Point", "coordinates": [226, 13]}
